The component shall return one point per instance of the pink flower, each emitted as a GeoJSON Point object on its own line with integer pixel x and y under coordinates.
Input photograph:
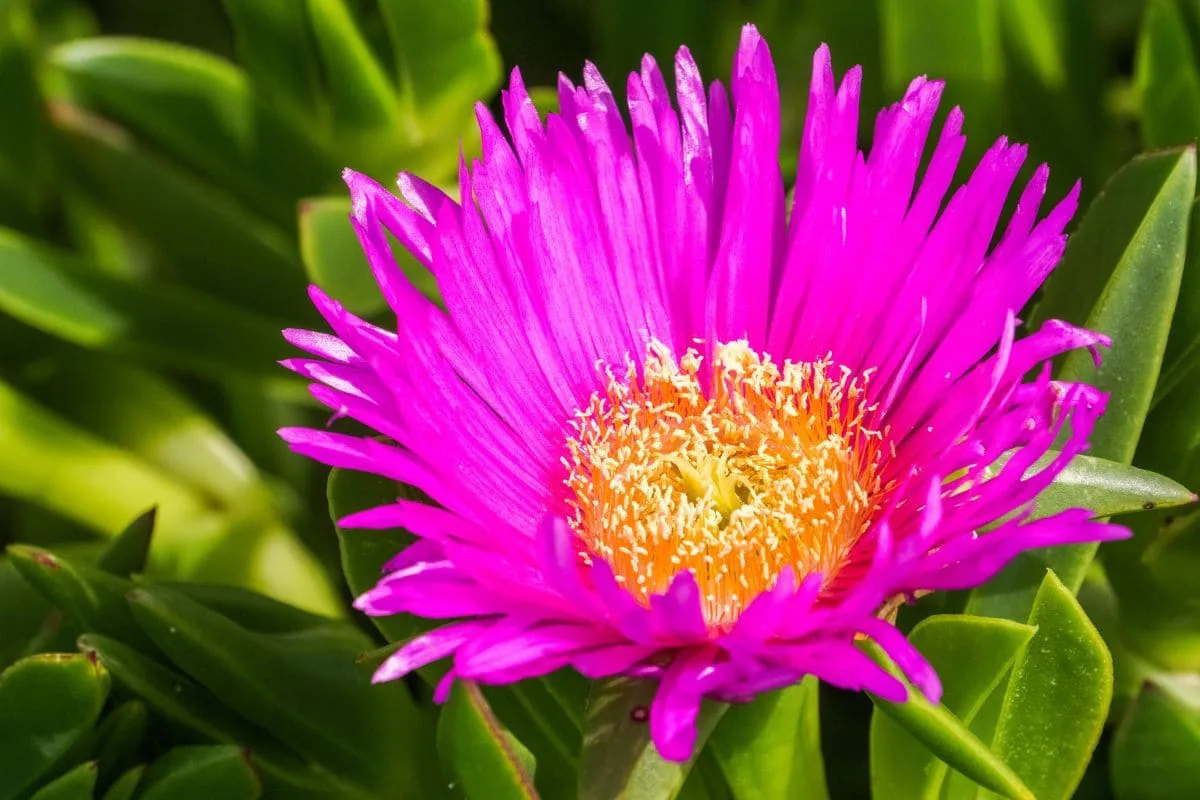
{"type": "Point", "coordinates": [677, 429]}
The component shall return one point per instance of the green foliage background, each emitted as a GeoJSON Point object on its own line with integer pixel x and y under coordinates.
{"type": "Point", "coordinates": [169, 185]}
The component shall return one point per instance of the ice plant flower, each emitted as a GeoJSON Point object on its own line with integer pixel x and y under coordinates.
{"type": "Point", "coordinates": [673, 427]}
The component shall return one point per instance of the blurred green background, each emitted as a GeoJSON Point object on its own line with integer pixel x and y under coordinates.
{"type": "Point", "coordinates": [169, 185]}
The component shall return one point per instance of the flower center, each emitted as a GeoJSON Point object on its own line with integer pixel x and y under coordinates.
{"type": "Point", "coordinates": [736, 474]}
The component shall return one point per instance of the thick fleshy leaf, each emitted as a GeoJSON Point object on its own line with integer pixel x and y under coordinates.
{"type": "Point", "coordinates": [23, 613]}
{"type": "Point", "coordinates": [76, 784]}
{"type": "Point", "coordinates": [481, 755]}
{"type": "Point", "coordinates": [187, 711]}
{"type": "Point", "coordinates": [92, 598]}
{"type": "Point", "coordinates": [253, 610]}
{"type": "Point", "coordinates": [618, 759]}
{"type": "Point", "coordinates": [201, 773]}
{"type": "Point", "coordinates": [1057, 698]}
{"type": "Point", "coordinates": [201, 110]}
{"type": "Point", "coordinates": [303, 687]}
{"type": "Point", "coordinates": [1166, 77]}
{"type": "Point", "coordinates": [546, 715]}
{"type": "Point", "coordinates": [117, 739]}
{"type": "Point", "coordinates": [1136, 306]}
{"type": "Point", "coordinates": [1154, 750]}
{"type": "Point", "coordinates": [946, 736]}
{"type": "Point", "coordinates": [123, 788]}
{"type": "Point", "coordinates": [1105, 487]}
{"type": "Point", "coordinates": [972, 656]}
{"type": "Point", "coordinates": [771, 747]}
{"type": "Point", "coordinates": [47, 704]}
{"type": "Point", "coordinates": [129, 550]}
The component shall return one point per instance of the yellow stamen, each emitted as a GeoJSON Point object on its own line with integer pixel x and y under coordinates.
{"type": "Point", "coordinates": [735, 475]}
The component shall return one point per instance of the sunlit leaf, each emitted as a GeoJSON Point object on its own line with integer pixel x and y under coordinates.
{"type": "Point", "coordinates": [618, 759]}
{"type": "Point", "coordinates": [1057, 699]}
{"type": "Point", "coordinates": [483, 757]}
{"type": "Point", "coordinates": [972, 656]}
{"type": "Point", "coordinates": [303, 687]}
{"type": "Point", "coordinates": [771, 747]}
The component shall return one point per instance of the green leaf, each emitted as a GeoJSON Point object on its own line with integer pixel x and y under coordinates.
{"type": "Point", "coordinates": [971, 655]}
{"type": "Point", "coordinates": [363, 99]}
{"type": "Point", "coordinates": [275, 681]}
{"type": "Point", "coordinates": [1057, 698]}
{"type": "Point", "coordinates": [199, 109]}
{"type": "Point", "coordinates": [200, 773]}
{"type": "Point", "coordinates": [947, 737]}
{"type": "Point", "coordinates": [364, 552]}
{"type": "Point", "coordinates": [479, 753]}
{"type": "Point", "coordinates": [125, 786]}
{"type": "Point", "coordinates": [619, 760]}
{"type": "Point", "coordinates": [23, 613]}
{"type": "Point", "coordinates": [187, 710]}
{"type": "Point", "coordinates": [94, 599]}
{"type": "Point", "coordinates": [771, 747]}
{"type": "Point", "coordinates": [250, 609]}
{"type": "Point", "coordinates": [1154, 750]}
{"type": "Point", "coordinates": [546, 715]}
{"type": "Point", "coordinates": [445, 58]}
{"type": "Point", "coordinates": [47, 704]}
{"type": "Point", "coordinates": [275, 46]}
{"type": "Point", "coordinates": [118, 738]}
{"type": "Point", "coordinates": [1136, 306]}
{"type": "Point", "coordinates": [334, 260]}
{"type": "Point", "coordinates": [129, 550]}
{"type": "Point", "coordinates": [216, 245]}
{"type": "Point", "coordinates": [1166, 78]}
{"type": "Point", "coordinates": [1107, 488]}
{"type": "Point", "coordinates": [74, 785]}
{"type": "Point", "coordinates": [50, 291]}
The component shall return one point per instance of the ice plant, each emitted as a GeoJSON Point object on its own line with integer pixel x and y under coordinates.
{"type": "Point", "coordinates": [676, 429]}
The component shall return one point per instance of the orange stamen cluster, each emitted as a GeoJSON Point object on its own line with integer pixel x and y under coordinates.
{"type": "Point", "coordinates": [736, 475]}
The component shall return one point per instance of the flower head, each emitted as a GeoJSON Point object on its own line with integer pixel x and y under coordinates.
{"type": "Point", "coordinates": [674, 428]}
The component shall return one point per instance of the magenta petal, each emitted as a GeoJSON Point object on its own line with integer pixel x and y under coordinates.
{"type": "Point", "coordinates": [677, 611]}
{"type": "Point", "coordinates": [427, 648]}
{"type": "Point", "coordinates": [676, 705]}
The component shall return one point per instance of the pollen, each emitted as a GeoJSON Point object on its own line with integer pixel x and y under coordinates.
{"type": "Point", "coordinates": [734, 470]}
